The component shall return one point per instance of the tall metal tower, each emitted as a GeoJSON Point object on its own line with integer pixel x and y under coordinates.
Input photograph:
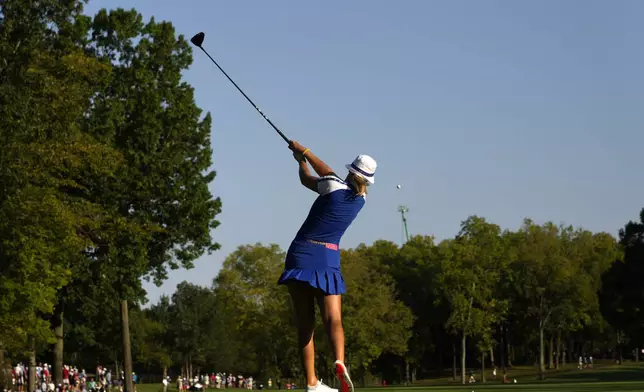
{"type": "Point", "coordinates": [403, 210]}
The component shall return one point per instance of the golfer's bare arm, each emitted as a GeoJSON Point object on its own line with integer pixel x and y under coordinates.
{"type": "Point", "coordinates": [308, 180]}
{"type": "Point", "coordinates": [321, 168]}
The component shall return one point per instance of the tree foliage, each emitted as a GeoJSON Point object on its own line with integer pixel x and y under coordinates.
{"type": "Point", "coordinates": [476, 293]}
{"type": "Point", "coordinates": [471, 269]}
{"type": "Point", "coordinates": [46, 163]}
{"type": "Point", "coordinates": [622, 293]}
{"type": "Point", "coordinates": [371, 296]}
{"type": "Point", "coordinates": [104, 171]}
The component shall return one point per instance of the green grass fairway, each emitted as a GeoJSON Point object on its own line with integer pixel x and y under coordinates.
{"type": "Point", "coordinates": [605, 379]}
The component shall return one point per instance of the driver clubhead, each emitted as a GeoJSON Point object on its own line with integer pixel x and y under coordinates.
{"type": "Point", "coordinates": [197, 40]}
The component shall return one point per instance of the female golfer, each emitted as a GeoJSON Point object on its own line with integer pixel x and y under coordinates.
{"type": "Point", "coordinates": [312, 271]}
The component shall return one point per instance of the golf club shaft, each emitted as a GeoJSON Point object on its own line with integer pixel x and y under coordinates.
{"type": "Point", "coordinates": [246, 96]}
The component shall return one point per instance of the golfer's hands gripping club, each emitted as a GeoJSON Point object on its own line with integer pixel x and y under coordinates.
{"type": "Point", "coordinates": [296, 147]}
{"type": "Point", "coordinates": [303, 154]}
{"type": "Point", "coordinates": [298, 151]}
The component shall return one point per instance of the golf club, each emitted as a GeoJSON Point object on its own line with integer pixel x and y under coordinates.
{"type": "Point", "coordinates": [197, 41]}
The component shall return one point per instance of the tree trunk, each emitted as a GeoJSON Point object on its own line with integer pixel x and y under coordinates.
{"type": "Point", "coordinates": [165, 372]}
{"type": "Point", "coordinates": [551, 352]}
{"type": "Point", "coordinates": [492, 357]}
{"type": "Point", "coordinates": [558, 354]}
{"type": "Point", "coordinates": [463, 353]}
{"type": "Point", "coordinates": [564, 354]}
{"type": "Point", "coordinates": [483, 367]}
{"type": "Point", "coordinates": [4, 385]}
{"type": "Point", "coordinates": [406, 372]}
{"type": "Point", "coordinates": [58, 322]}
{"type": "Point", "coordinates": [32, 367]}
{"type": "Point", "coordinates": [502, 350]}
{"type": "Point", "coordinates": [637, 355]}
{"type": "Point", "coordinates": [127, 353]}
{"type": "Point", "coordinates": [542, 364]}
{"type": "Point", "coordinates": [454, 360]}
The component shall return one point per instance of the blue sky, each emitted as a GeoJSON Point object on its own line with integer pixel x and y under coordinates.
{"type": "Point", "coordinates": [504, 109]}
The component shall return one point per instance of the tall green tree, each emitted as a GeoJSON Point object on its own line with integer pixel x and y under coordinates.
{"type": "Point", "coordinates": [371, 295]}
{"type": "Point", "coordinates": [414, 269]}
{"type": "Point", "coordinates": [161, 198]}
{"type": "Point", "coordinates": [469, 278]}
{"type": "Point", "coordinates": [590, 254]}
{"type": "Point", "coordinates": [163, 314]}
{"type": "Point", "coordinates": [557, 276]}
{"type": "Point", "coordinates": [46, 162]}
{"type": "Point", "coordinates": [192, 312]}
{"type": "Point", "coordinates": [544, 277]}
{"type": "Point", "coordinates": [159, 129]}
{"type": "Point", "coordinates": [622, 293]}
{"type": "Point", "coordinates": [254, 314]}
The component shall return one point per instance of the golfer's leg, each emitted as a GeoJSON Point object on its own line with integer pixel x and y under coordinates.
{"type": "Point", "coordinates": [303, 299]}
{"type": "Point", "coordinates": [331, 310]}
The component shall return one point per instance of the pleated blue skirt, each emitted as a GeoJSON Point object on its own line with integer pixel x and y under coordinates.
{"type": "Point", "coordinates": [314, 264]}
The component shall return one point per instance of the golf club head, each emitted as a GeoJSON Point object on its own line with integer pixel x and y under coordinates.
{"type": "Point", "coordinates": [197, 40]}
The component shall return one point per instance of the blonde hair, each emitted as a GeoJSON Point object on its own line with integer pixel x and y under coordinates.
{"type": "Point", "coordinates": [361, 185]}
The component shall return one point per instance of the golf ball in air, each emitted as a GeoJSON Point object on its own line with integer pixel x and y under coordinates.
{"type": "Point", "coordinates": [398, 186]}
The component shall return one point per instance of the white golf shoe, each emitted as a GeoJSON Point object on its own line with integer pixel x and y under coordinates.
{"type": "Point", "coordinates": [320, 387]}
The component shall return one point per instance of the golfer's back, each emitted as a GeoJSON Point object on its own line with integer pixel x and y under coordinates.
{"type": "Point", "coordinates": [332, 212]}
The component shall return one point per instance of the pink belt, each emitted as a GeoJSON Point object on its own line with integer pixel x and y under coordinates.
{"type": "Point", "coordinates": [326, 244]}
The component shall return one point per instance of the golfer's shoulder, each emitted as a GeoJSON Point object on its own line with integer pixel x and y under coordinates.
{"type": "Point", "coordinates": [331, 183]}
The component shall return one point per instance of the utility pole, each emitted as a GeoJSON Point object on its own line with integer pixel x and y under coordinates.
{"type": "Point", "coordinates": [403, 210]}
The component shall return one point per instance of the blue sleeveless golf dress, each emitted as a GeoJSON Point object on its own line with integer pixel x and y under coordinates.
{"type": "Point", "coordinates": [314, 254]}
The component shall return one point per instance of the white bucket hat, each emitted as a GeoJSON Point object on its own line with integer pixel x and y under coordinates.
{"type": "Point", "coordinates": [364, 167]}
